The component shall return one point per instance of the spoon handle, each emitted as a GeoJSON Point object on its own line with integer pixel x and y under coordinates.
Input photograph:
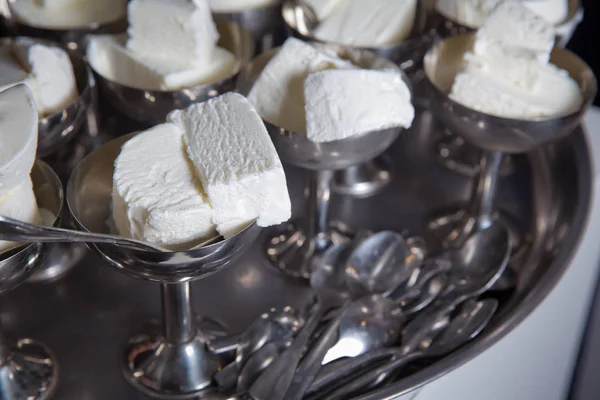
{"type": "Point", "coordinates": [373, 376]}
{"type": "Point", "coordinates": [224, 345]}
{"type": "Point", "coordinates": [274, 382]}
{"type": "Point", "coordinates": [311, 363]}
{"type": "Point", "coordinates": [18, 231]}
{"type": "Point", "coordinates": [341, 369]}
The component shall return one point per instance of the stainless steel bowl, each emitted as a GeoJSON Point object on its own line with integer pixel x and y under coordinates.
{"type": "Point", "coordinates": [152, 106]}
{"type": "Point", "coordinates": [16, 265]}
{"type": "Point", "coordinates": [296, 149]}
{"type": "Point", "coordinates": [89, 197]}
{"type": "Point", "coordinates": [73, 38]}
{"type": "Point", "coordinates": [264, 24]}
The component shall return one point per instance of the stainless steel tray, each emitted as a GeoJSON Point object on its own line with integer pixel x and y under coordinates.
{"type": "Point", "coordinates": [86, 317]}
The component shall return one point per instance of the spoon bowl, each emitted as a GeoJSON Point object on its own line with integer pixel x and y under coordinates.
{"type": "Point", "coordinates": [367, 324]}
{"type": "Point", "coordinates": [379, 264]}
{"type": "Point", "coordinates": [480, 262]}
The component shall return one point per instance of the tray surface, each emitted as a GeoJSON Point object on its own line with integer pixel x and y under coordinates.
{"type": "Point", "coordinates": [87, 317]}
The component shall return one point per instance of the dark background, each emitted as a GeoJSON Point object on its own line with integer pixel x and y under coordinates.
{"type": "Point", "coordinates": [586, 41]}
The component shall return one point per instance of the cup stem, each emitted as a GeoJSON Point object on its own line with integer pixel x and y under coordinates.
{"type": "Point", "coordinates": [178, 317]}
{"type": "Point", "coordinates": [319, 194]}
{"type": "Point", "coordinates": [484, 193]}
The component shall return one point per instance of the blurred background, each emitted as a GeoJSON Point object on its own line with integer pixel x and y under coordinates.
{"type": "Point", "coordinates": [585, 41]}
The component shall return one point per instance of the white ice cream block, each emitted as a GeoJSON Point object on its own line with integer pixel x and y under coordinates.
{"type": "Point", "coordinates": [323, 8]}
{"type": "Point", "coordinates": [236, 161]}
{"type": "Point", "coordinates": [109, 57]}
{"type": "Point", "coordinates": [278, 93]}
{"type": "Point", "coordinates": [156, 195]}
{"type": "Point", "coordinates": [369, 23]}
{"type": "Point", "coordinates": [18, 136]}
{"type": "Point", "coordinates": [181, 31]}
{"type": "Point", "coordinates": [346, 103]}
{"type": "Point", "coordinates": [554, 94]}
{"type": "Point", "coordinates": [519, 30]}
{"type": "Point", "coordinates": [68, 14]}
{"type": "Point", "coordinates": [224, 6]}
{"type": "Point", "coordinates": [19, 203]}
{"type": "Point", "coordinates": [51, 77]}
{"type": "Point", "coordinates": [508, 74]}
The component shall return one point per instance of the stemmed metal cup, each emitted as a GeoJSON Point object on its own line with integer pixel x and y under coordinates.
{"type": "Point", "coordinates": [151, 107]}
{"type": "Point", "coordinates": [495, 136]}
{"type": "Point", "coordinates": [171, 361]}
{"type": "Point", "coordinates": [451, 149]}
{"type": "Point", "coordinates": [369, 178]}
{"type": "Point", "coordinates": [293, 248]}
{"type": "Point", "coordinates": [28, 370]}
{"type": "Point", "coordinates": [55, 133]}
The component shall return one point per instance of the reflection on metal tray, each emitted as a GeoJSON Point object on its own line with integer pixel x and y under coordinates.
{"type": "Point", "coordinates": [86, 317]}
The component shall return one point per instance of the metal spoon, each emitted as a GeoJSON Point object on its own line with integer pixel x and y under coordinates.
{"type": "Point", "coordinates": [477, 265]}
{"type": "Point", "coordinates": [370, 323]}
{"type": "Point", "coordinates": [418, 330]}
{"type": "Point", "coordinates": [472, 319]}
{"type": "Point", "coordinates": [376, 266]}
{"type": "Point", "coordinates": [18, 231]}
{"type": "Point", "coordinates": [258, 362]}
{"type": "Point", "coordinates": [269, 327]}
{"type": "Point", "coordinates": [328, 284]}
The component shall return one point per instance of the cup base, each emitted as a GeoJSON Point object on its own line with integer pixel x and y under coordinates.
{"type": "Point", "coordinates": [30, 372]}
{"type": "Point", "coordinates": [454, 153]}
{"type": "Point", "coordinates": [165, 370]}
{"type": "Point", "coordinates": [364, 180]}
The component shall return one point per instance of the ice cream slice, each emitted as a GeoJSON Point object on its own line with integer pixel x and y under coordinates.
{"type": "Point", "coordinates": [46, 70]}
{"type": "Point", "coordinates": [368, 23]}
{"type": "Point", "coordinates": [352, 102]}
{"type": "Point", "coordinates": [109, 57]}
{"type": "Point", "coordinates": [180, 31]}
{"type": "Point", "coordinates": [472, 13]}
{"type": "Point", "coordinates": [278, 93]}
{"type": "Point", "coordinates": [508, 73]}
{"type": "Point", "coordinates": [235, 160]}
{"type": "Point", "coordinates": [19, 203]}
{"type": "Point", "coordinates": [18, 142]}
{"type": "Point", "coordinates": [18, 136]}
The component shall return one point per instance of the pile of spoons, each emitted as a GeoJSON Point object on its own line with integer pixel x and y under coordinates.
{"type": "Point", "coordinates": [382, 303]}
